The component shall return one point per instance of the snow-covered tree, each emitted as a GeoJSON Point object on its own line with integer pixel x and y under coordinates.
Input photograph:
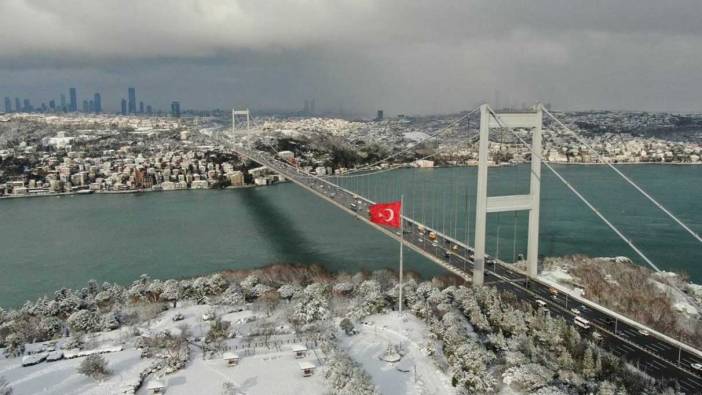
{"type": "Point", "coordinates": [345, 377]}
{"type": "Point", "coordinates": [290, 291]}
{"type": "Point", "coordinates": [312, 306]}
{"type": "Point", "coordinates": [248, 283]}
{"type": "Point", "coordinates": [468, 370]}
{"type": "Point", "coordinates": [369, 299]}
{"type": "Point", "coordinates": [587, 365]}
{"type": "Point", "coordinates": [85, 321]}
{"type": "Point", "coordinates": [233, 296]}
{"type": "Point", "coordinates": [171, 292]}
{"type": "Point", "coordinates": [527, 378]}
{"type": "Point", "coordinates": [94, 366]}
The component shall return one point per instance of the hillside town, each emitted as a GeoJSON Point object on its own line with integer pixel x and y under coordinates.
{"type": "Point", "coordinates": [45, 154]}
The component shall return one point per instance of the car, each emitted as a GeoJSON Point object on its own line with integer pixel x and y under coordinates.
{"type": "Point", "coordinates": [643, 332]}
{"type": "Point", "coordinates": [596, 335]}
{"type": "Point", "coordinates": [696, 366]}
{"type": "Point", "coordinates": [541, 303]}
{"type": "Point", "coordinates": [434, 244]}
{"type": "Point", "coordinates": [575, 311]}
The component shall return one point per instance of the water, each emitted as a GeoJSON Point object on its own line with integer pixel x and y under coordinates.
{"type": "Point", "coordinates": [48, 243]}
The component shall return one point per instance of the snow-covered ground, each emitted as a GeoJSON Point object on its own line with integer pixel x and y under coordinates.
{"type": "Point", "coordinates": [60, 377]}
{"type": "Point", "coordinates": [274, 373]}
{"type": "Point", "coordinates": [375, 333]}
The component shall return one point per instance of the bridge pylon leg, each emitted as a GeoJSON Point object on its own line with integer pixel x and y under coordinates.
{"type": "Point", "coordinates": [481, 200]}
{"type": "Point", "coordinates": [529, 202]}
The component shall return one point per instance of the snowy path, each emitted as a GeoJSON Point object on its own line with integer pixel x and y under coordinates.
{"type": "Point", "coordinates": [424, 376]}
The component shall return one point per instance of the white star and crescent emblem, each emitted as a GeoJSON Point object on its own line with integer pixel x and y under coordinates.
{"type": "Point", "coordinates": [391, 215]}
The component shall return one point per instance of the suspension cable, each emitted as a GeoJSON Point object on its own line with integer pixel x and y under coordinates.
{"type": "Point", "coordinates": [638, 188]}
{"type": "Point", "coordinates": [579, 195]}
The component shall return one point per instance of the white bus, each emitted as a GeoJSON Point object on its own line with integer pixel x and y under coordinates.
{"type": "Point", "coordinates": [581, 322]}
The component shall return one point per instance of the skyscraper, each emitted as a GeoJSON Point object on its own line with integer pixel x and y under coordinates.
{"type": "Point", "coordinates": [141, 107]}
{"type": "Point", "coordinates": [97, 100]}
{"type": "Point", "coordinates": [8, 104]}
{"type": "Point", "coordinates": [74, 100]}
{"type": "Point", "coordinates": [18, 105]}
{"type": "Point", "coordinates": [86, 106]}
{"type": "Point", "coordinates": [27, 106]}
{"type": "Point", "coordinates": [124, 107]}
{"type": "Point", "coordinates": [175, 109]}
{"type": "Point", "coordinates": [52, 105]}
{"type": "Point", "coordinates": [63, 103]}
{"type": "Point", "coordinates": [132, 101]}
{"type": "Point", "coordinates": [149, 110]}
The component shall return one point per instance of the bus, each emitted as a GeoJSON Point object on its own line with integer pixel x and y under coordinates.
{"type": "Point", "coordinates": [581, 322]}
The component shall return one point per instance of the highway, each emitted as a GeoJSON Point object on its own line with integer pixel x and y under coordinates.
{"type": "Point", "coordinates": [656, 356]}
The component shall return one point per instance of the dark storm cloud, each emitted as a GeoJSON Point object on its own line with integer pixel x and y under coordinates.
{"type": "Point", "coordinates": [404, 56]}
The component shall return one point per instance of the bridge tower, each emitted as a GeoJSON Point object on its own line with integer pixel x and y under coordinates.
{"type": "Point", "coordinates": [495, 204]}
{"type": "Point", "coordinates": [241, 114]}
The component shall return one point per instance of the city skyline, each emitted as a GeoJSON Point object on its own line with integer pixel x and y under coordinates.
{"type": "Point", "coordinates": [92, 103]}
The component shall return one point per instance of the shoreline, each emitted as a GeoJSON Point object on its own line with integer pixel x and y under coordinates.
{"type": "Point", "coordinates": [133, 191]}
{"type": "Point", "coordinates": [130, 191]}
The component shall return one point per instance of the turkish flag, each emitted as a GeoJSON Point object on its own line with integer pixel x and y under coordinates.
{"type": "Point", "coordinates": [387, 214]}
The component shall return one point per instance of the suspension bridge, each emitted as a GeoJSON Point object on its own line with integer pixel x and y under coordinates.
{"type": "Point", "coordinates": [657, 354]}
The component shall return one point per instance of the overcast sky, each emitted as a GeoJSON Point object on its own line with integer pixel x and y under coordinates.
{"type": "Point", "coordinates": [403, 56]}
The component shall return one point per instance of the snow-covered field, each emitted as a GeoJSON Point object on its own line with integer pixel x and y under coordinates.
{"type": "Point", "coordinates": [275, 373]}
{"type": "Point", "coordinates": [420, 375]}
{"type": "Point", "coordinates": [60, 377]}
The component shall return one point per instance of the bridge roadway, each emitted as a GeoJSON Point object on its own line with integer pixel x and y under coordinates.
{"type": "Point", "coordinates": [654, 354]}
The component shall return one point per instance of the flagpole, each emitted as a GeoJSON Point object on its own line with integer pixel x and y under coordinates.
{"type": "Point", "coordinates": [402, 238]}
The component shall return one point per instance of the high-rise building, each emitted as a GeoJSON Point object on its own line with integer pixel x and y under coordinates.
{"type": "Point", "coordinates": [149, 110]}
{"type": "Point", "coordinates": [52, 105]}
{"type": "Point", "coordinates": [141, 107]}
{"type": "Point", "coordinates": [74, 100]}
{"type": "Point", "coordinates": [8, 104]}
{"type": "Point", "coordinates": [97, 100]}
{"type": "Point", "coordinates": [63, 103]}
{"type": "Point", "coordinates": [27, 106]}
{"type": "Point", "coordinates": [175, 109]}
{"type": "Point", "coordinates": [86, 106]}
{"type": "Point", "coordinates": [18, 105]}
{"type": "Point", "coordinates": [312, 106]}
{"type": "Point", "coordinates": [124, 107]}
{"type": "Point", "coordinates": [379, 117]}
{"type": "Point", "coordinates": [132, 101]}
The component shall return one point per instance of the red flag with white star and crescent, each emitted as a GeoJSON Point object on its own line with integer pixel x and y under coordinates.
{"type": "Point", "coordinates": [387, 214]}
